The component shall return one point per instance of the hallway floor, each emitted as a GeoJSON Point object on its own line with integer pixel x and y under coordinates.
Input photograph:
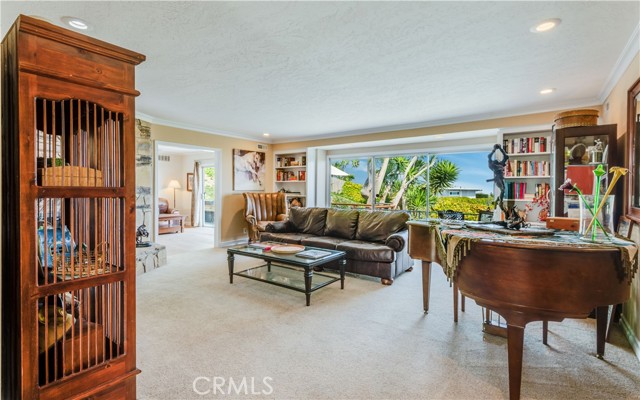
{"type": "Point", "coordinates": [192, 239]}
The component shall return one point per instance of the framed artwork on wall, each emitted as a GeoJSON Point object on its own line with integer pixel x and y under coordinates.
{"type": "Point", "coordinates": [248, 170]}
{"type": "Point", "coordinates": [190, 181]}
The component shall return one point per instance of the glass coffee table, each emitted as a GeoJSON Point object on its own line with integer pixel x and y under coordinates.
{"type": "Point", "coordinates": [291, 271]}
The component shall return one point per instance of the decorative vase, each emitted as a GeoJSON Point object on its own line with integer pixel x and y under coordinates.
{"type": "Point", "coordinates": [601, 231]}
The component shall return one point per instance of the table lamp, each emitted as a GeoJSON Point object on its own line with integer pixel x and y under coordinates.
{"type": "Point", "coordinates": [174, 184]}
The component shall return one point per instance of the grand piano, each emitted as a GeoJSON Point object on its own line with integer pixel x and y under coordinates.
{"type": "Point", "coordinates": [525, 281]}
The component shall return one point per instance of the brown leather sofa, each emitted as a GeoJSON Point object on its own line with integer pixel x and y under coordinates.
{"type": "Point", "coordinates": [260, 209]}
{"type": "Point", "coordinates": [375, 241]}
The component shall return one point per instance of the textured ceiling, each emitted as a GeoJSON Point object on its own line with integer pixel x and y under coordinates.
{"type": "Point", "coordinates": [317, 69]}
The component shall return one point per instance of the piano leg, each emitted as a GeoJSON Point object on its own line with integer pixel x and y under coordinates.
{"type": "Point", "coordinates": [515, 338]}
{"type": "Point", "coordinates": [602, 314]}
{"type": "Point", "coordinates": [455, 302]}
{"type": "Point", "coordinates": [426, 284]}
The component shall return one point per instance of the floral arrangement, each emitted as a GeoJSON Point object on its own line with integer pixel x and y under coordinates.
{"type": "Point", "coordinates": [598, 203]}
{"type": "Point", "coordinates": [542, 201]}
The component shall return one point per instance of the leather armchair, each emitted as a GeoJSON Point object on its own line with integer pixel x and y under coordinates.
{"type": "Point", "coordinates": [163, 207]}
{"type": "Point", "coordinates": [169, 219]}
{"type": "Point", "coordinates": [261, 209]}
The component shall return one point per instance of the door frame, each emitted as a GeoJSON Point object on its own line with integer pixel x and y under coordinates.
{"type": "Point", "coordinates": [216, 156]}
{"type": "Point", "coordinates": [209, 163]}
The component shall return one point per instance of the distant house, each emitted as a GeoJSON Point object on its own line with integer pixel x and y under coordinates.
{"type": "Point", "coordinates": [460, 192]}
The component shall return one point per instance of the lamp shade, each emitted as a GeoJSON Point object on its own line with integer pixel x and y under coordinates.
{"type": "Point", "coordinates": [174, 184]}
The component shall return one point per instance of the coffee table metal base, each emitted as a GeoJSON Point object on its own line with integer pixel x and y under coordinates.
{"type": "Point", "coordinates": [301, 279]}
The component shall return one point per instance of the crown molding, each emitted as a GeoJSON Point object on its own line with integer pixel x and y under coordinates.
{"type": "Point", "coordinates": [593, 102]}
{"type": "Point", "coordinates": [526, 129]}
{"type": "Point", "coordinates": [198, 128]}
{"type": "Point", "coordinates": [451, 121]}
{"type": "Point", "coordinates": [624, 60]}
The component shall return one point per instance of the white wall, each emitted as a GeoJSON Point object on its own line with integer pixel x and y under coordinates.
{"type": "Point", "coordinates": [167, 171]}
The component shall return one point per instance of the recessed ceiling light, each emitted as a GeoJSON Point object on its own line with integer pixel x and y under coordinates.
{"type": "Point", "coordinates": [265, 134]}
{"type": "Point", "coordinates": [547, 90]}
{"type": "Point", "coordinates": [76, 23]}
{"type": "Point", "coordinates": [545, 25]}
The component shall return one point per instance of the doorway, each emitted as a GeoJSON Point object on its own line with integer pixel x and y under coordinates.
{"type": "Point", "coordinates": [208, 195]}
{"type": "Point", "coordinates": [175, 161]}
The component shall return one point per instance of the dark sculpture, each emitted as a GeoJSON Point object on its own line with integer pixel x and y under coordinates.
{"type": "Point", "coordinates": [515, 219]}
{"type": "Point", "coordinates": [497, 166]}
{"type": "Point", "coordinates": [140, 233]}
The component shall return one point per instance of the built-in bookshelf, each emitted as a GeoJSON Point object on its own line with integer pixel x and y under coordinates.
{"type": "Point", "coordinates": [291, 176]}
{"type": "Point", "coordinates": [528, 169]}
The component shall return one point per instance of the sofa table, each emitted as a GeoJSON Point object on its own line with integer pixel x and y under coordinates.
{"type": "Point", "coordinates": [174, 223]}
{"type": "Point", "coordinates": [288, 270]}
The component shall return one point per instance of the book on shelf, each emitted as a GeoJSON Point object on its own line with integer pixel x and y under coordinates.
{"type": "Point", "coordinates": [313, 254]}
{"type": "Point", "coordinates": [518, 191]}
{"type": "Point", "coordinates": [541, 189]}
{"type": "Point", "coordinates": [526, 145]}
{"type": "Point", "coordinates": [515, 168]}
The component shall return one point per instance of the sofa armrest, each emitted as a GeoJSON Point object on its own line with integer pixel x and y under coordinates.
{"type": "Point", "coordinates": [251, 220]}
{"type": "Point", "coordinates": [279, 227]}
{"type": "Point", "coordinates": [398, 240]}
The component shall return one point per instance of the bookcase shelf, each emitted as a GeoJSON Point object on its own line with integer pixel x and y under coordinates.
{"type": "Point", "coordinates": [530, 156]}
{"type": "Point", "coordinates": [284, 170]}
{"type": "Point", "coordinates": [528, 177]}
{"type": "Point", "coordinates": [511, 155]}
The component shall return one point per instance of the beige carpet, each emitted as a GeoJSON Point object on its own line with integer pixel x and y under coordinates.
{"type": "Point", "coordinates": [365, 342]}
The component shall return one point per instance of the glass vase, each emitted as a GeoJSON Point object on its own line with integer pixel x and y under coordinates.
{"type": "Point", "coordinates": [602, 230]}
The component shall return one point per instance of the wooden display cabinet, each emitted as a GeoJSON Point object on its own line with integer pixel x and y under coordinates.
{"type": "Point", "coordinates": [575, 157]}
{"type": "Point", "coordinates": [68, 232]}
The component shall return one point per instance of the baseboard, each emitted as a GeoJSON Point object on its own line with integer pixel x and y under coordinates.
{"type": "Point", "coordinates": [631, 337]}
{"type": "Point", "coordinates": [230, 243]}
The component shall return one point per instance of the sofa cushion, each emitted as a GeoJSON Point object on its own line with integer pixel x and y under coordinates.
{"type": "Point", "coordinates": [308, 220]}
{"type": "Point", "coordinates": [293, 238]}
{"type": "Point", "coordinates": [367, 251]}
{"type": "Point", "coordinates": [325, 242]}
{"type": "Point", "coordinates": [376, 226]}
{"type": "Point", "coordinates": [262, 225]}
{"type": "Point", "coordinates": [341, 223]}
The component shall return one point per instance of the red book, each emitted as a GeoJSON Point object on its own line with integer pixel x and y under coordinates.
{"type": "Point", "coordinates": [581, 176]}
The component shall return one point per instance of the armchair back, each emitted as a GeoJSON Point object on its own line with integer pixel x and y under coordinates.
{"type": "Point", "coordinates": [163, 207]}
{"type": "Point", "coordinates": [262, 208]}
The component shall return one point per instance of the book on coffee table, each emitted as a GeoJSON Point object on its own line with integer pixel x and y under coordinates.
{"type": "Point", "coordinates": [259, 245]}
{"type": "Point", "coordinates": [313, 254]}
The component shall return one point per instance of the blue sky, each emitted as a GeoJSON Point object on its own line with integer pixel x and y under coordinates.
{"type": "Point", "coordinates": [474, 171]}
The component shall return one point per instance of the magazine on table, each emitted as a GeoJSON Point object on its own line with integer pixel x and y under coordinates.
{"type": "Point", "coordinates": [259, 245]}
{"type": "Point", "coordinates": [313, 254]}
